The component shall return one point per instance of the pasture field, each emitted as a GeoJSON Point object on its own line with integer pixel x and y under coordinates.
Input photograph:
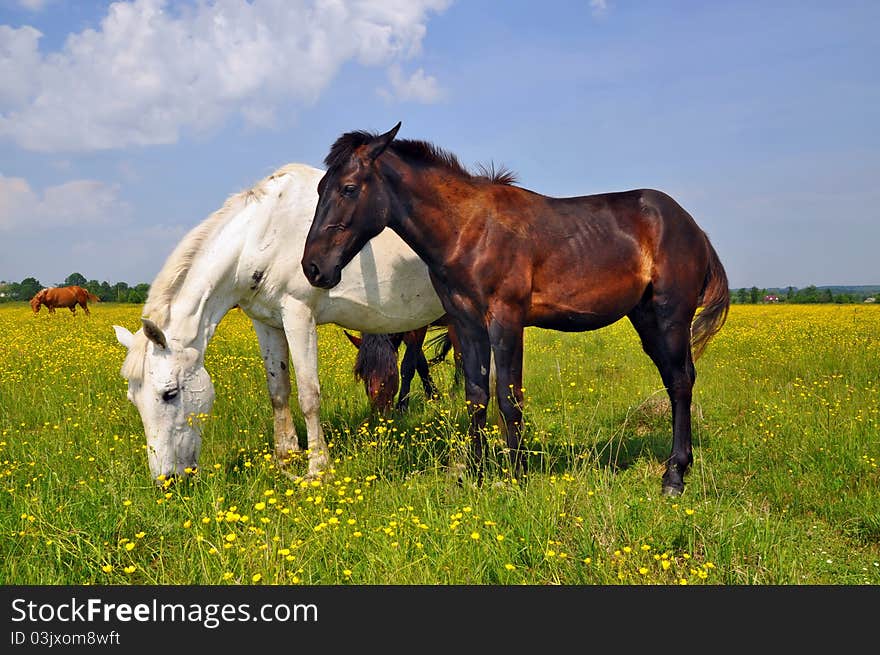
{"type": "Point", "coordinates": [784, 490]}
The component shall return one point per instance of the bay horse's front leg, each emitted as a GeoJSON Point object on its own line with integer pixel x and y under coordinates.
{"type": "Point", "coordinates": [476, 358]}
{"type": "Point", "coordinates": [302, 339]}
{"type": "Point", "coordinates": [507, 348]}
{"type": "Point", "coordinates": [274, 350]}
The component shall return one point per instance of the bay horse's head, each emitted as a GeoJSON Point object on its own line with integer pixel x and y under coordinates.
{"type": "Point", "coordinates": [173, 393]}
{"type": "Point", "coordinates": [376, 366]}
{"type": "Point", "coordinates": [353, 206]}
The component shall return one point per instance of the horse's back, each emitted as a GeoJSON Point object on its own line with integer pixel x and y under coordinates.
{"type": "Point", "coordinates": [385, 288]}
{"type": "Point", "coordinates": [588, 260]}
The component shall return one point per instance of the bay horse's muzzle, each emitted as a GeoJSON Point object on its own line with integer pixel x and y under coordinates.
{"type": "Point", "coordinates": [320, 279]}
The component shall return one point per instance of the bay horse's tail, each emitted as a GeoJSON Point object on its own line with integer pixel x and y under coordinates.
{"type": "Point", "coordinates": [715, 301]}
{"type": "Point", "coordinates": [93, 297]}
{"type": "Point", "coordinates": [442, 344]}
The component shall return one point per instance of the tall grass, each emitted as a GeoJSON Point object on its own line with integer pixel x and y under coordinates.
{"type": "Point", "coordinates": [783, 490]}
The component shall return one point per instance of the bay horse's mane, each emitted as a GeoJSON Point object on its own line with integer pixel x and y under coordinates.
{"type": "Point", "coordinates": [377, 355]}
{"type": "Point", "coordinates": [416, 152]}
{"type": "Point", "coordinates": [173, 273]}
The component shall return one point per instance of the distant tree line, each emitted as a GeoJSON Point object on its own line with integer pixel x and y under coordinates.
{"type": "Point", "coordinates": [808, 295]}
{"type": "Point", "coordinates": [118, 292]}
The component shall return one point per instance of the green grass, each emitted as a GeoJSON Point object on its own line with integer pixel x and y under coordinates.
{"type": "Point", "coordinates": [783, 490]}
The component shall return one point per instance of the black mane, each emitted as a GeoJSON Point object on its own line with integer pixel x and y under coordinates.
{"type": "Point", "coordinates": [418, 152]}
{"type": "Point", "coordinates": [377, 355]}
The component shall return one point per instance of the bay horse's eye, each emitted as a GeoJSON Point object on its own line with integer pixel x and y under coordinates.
{"type": "Point", "coordinates": [169, 395]}
{"type": "Point", "coordinates": [349, 190]}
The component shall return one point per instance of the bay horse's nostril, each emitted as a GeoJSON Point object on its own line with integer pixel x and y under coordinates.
{"type": "Point", "coordinates": [314, 272]}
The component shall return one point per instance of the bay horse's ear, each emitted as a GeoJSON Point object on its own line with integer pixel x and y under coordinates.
{"type": "Point", "coordinates": [355, 340]}
{"type": "Point", "coordinates": [123, 336]}
{"type": "Point", "coordinates": [154, 333]}
{"type": "Point", "coordinates": [377, 146]}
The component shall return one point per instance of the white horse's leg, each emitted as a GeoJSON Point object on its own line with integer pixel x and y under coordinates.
{"type": "Point", "coordinates": [273, 347]}
{"type": "Point", "coordinates": [302, 338]}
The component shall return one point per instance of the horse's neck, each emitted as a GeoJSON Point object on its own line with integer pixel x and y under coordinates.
{"type": "Point", "coordinates": [431, 224]}
{"type": "Point", "coordinates": [209, 291]}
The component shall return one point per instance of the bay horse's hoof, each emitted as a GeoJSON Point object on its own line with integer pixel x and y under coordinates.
{"type": "Point", "coordinates": [672, 491]}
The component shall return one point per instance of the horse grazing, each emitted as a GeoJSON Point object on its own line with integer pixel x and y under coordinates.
{"type": "Point", "coordinates": [239, 255]}
{"type": "Point", "coordinates": [69, 297]}
{"type": "Point", "coordinates": [376, 364]}
{"type": "Point", "coordinates": [502, 258]}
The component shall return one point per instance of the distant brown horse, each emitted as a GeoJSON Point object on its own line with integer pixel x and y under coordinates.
{"type": "Point", "coordinates": [68, 297]}
{"type": "Point", "coordinates": [502, 257]}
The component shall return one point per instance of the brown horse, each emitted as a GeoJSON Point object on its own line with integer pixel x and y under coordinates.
{"type": "Point", "coordinates": [502, 258]}
{"type": "Point", "coordinates": [376, 364]}
{"type": "Point", "coordinates": [68, 297]}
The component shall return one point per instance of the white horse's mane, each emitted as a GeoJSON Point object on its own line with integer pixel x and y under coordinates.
{"type": "Point", "coordinates": [173, 273]}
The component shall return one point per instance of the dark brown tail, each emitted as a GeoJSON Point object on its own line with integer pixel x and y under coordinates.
{"type": "Point", "coordinates": [441, 344]}
{"type": "Point", "coordinates": [715, 303]}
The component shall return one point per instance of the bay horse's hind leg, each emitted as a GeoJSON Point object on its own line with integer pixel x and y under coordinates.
{"type": "Point", "coordinates": [407, 372]}
{"type": "Point", "coordinates": [414, 361]}
{"type": "Point", "coordinates": [424, 372]}
{"type": "Point", "coordinates": [85, 308]}
{"type": "Point", "coordinates": [664, 328]}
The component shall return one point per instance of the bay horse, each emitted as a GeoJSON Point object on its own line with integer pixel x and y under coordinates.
{"type": "Point", "coordinates": [239, 255]}
{"type": "Point", "coordinates": [376, 364]}
{"type": "Point", "coordinates": [502, 257]}
{"type": "Point", "coordinates": [69, 297]}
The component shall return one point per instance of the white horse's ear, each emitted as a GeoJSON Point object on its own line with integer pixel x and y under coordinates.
{"type": "Point", "coordinates": [123, 336]}
{"type": "Point", "coordinates": [154, 333]}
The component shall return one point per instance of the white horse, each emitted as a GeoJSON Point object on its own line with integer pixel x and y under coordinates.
{"type": "Point", "coordinates": [248, 254]}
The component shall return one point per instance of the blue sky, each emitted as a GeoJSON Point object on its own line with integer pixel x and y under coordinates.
{"type": "Point", "coordinates": [124, 124]}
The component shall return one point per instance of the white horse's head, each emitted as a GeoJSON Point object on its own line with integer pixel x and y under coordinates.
{"type": "Point", "coordinates": [172, 392]}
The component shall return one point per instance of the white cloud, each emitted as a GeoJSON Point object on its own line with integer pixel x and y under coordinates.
{"type": "Point", "coordinates": [152, 68]}
{"type": "Point", "coordinates": [75, 203]}
{"type": "Point", "coordinates": [33, 5]}
{"type": "Point", "coordinates": [418, 87]}
{"type": "Point", "coordinates": [600, 7]}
